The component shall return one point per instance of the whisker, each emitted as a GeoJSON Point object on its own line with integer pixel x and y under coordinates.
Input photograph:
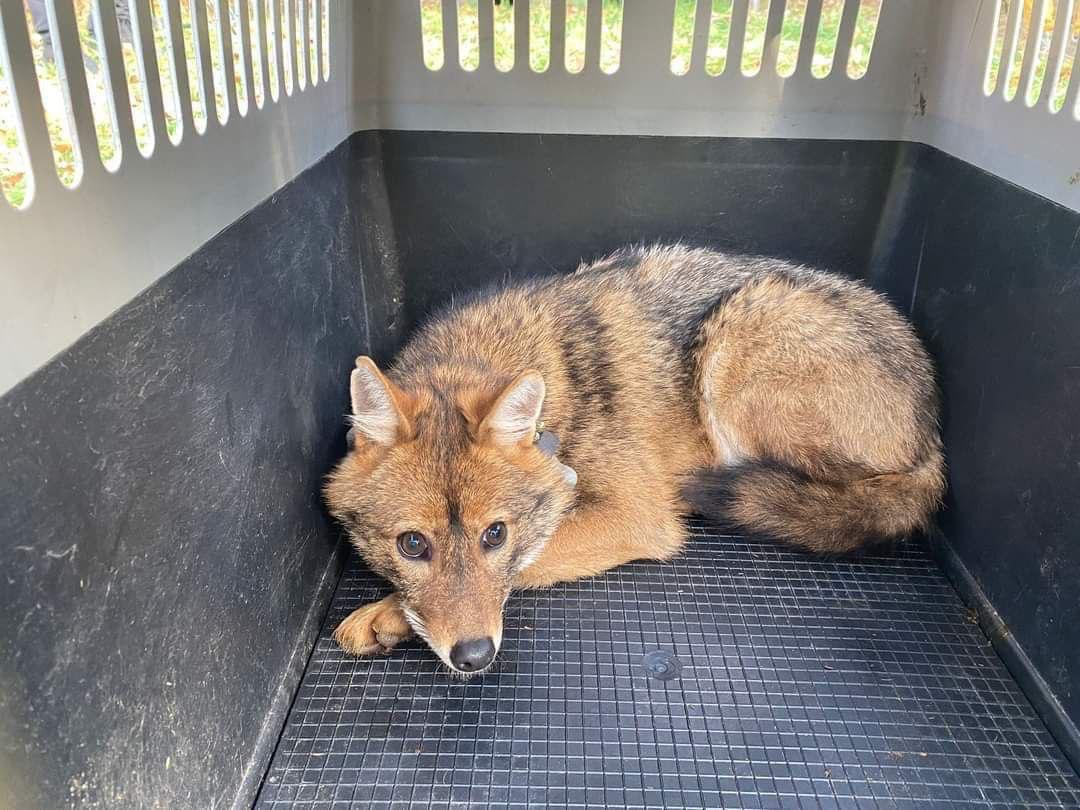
{"type": "Point", "coordinates": [416, 623]}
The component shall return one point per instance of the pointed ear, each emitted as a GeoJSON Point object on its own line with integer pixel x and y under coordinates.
{"type": "Point", "coordinates": [513, 417]}
{"type": "Point", "coordinates": [377, 414]}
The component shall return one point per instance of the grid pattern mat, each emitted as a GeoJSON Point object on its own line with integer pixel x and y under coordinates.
{"type": "Point", "coordinates": [796, 682]}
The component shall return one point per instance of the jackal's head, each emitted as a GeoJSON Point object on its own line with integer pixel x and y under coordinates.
{"type": "Point", "coordinates": [447, 495]}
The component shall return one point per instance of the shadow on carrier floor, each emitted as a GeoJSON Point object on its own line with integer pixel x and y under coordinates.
{"type": "Point", "coordinates": [781, 681]}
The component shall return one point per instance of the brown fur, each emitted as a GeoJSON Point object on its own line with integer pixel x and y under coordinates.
{"type": "Point", "coordinates": [780, 399]}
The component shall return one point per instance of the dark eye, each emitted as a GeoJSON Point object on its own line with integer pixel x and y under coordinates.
{"type": "Point", "coordinates": [494, 535]}
{"type": "Point", "coordinates": [414, 546]}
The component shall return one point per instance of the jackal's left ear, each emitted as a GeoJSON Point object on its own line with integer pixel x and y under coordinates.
{"type": "Point", "coordinates": [377, 404]}
{"type": "Point", "coordinates": [513, 417]}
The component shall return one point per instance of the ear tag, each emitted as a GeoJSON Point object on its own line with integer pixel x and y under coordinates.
{"type": "Point", "coordinates": [548, 444]}
{"type": "Point", "coordinates": [569, 475]}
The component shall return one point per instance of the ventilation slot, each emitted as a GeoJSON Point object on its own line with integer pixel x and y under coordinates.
{"type": "Point", "coordinates": [16, 178]}
{"type": "Point", "coordinates": [217, 60]}
{"type": "Point", "coordinates": [791, 31]}
{"type": "Point", "coordinates": [431, 34]}
{"type": "Point", "coordinates": [55, 95]}
{"type": "Point", "coordinates": [269, 15]}
{"type": "Point", "coordinates": [193, 58]}
{"type": "Point", "coordinates": [98, 83]}
{"type": "Point", "coordinates": [682, 36]}
{"type": "Point", "coordinates": [827, 33]}
{"type": "Point", "coordinates": [716, 52]}
{"type": "Point", "coordinates": [286, 48]}
{"type": "Point", "coordinates": [468, 33]}
{"type": "Point", "coordinates": [236, 41]}
{"type": "Point", "coordinates": [862, 45]}
{"type": "Point", "coordinates": [298, 42]}
{"type": "Point", "coordinates": [1044, 33]}
{"type": "Point", "coordinates": [504, 35]}
{"type": "Point", "coordinates": [170, 95]}
{"type": "Point", "coordinates": [1066, 60]}
{"type": "Point", "coordinates": [312, 40]}
{"type": "Point", "coordinates": [611, 36]}
{"type": "Point", "coordinates": [325, 16]}
{"type": "Point", "coordinates": [255, 40]}
{"type": "Point", "coordinates": [757, 20]}
{"type": "Point", "coordinates": [997, 45]}
{"type": "Point", "coordinates": [1017, 45]}
{"type": "Point", "coordinates": [539, 35]}
{"type": "Point", "coordinates": [127, 23]}
{"type": "Point", "coordinates": [576, 31]}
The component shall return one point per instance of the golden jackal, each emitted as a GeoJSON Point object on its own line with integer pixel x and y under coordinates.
{"type": "Point", "coordinates": [557, 428]}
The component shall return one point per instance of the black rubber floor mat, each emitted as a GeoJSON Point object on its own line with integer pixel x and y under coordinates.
{"type": "Point", "coordinates": [739, 675]}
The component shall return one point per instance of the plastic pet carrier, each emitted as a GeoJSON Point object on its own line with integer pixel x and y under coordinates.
{"type": "Point", "coordinates": [211, 207]}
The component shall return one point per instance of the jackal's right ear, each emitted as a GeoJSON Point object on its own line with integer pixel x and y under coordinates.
{"type": "Point", "coordinates": [376, 403]}
{"type": "Point", "coordinates": [516, 411]}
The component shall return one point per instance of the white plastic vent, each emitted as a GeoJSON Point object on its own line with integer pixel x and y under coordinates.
{"type": "Point", "coordinates": [312, 40]}
{"type": "Point", "coordinates": [53, 86]}
{"type": "Point", "coordinates": [298, 41]}
{"type": "Point", "coordinates": [1032, 52]}
{"type": "Point", "coordinates": [189, 16]}
{"type": "Point", "coordinates": [768, 32]}
{"type": "Point", "coordinates": [163, 41]}
{"type": "Point", "coordinates": [217, 60]}
{"type": "Point", "coordinates": [771, 34]}
{"type": "Point", "coordinates": [237, 47]}
{"type": "Point", "coordinates": [99, 83]}
{"type": "Point", "coordinates": [255, 38]}
{"type": "Point", "coordinates": [127, 22]}
{"type": "Point", "coordinates": [285, 29]}
{"type": "Point", "coordinates": [269, 17]}
{"type": "Point", "coordinates": [170, 93]}
{"type": "Point", "coordinates": [576, 33]}
{"type": "Point", "coordinates": [324, 38]}
{"type": "Point", "coordinates": [504, 36]}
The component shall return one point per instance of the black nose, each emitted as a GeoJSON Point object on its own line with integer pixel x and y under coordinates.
{"type": "Point", "coordinates": [469, 656]}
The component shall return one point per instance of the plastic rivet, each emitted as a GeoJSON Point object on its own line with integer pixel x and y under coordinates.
{"type": "Point", "coordinates": [662, 665]}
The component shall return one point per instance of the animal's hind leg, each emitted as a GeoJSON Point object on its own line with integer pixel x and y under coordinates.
{"type": "Point", "coordinates": [784, 374]}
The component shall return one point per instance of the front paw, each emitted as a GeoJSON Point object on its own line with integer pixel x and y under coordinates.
{"type": "Point", "coordinates": [374, 628]}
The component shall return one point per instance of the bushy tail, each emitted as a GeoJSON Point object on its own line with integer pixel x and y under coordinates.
{"type": "Point", "coordinates": [829, 517]}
